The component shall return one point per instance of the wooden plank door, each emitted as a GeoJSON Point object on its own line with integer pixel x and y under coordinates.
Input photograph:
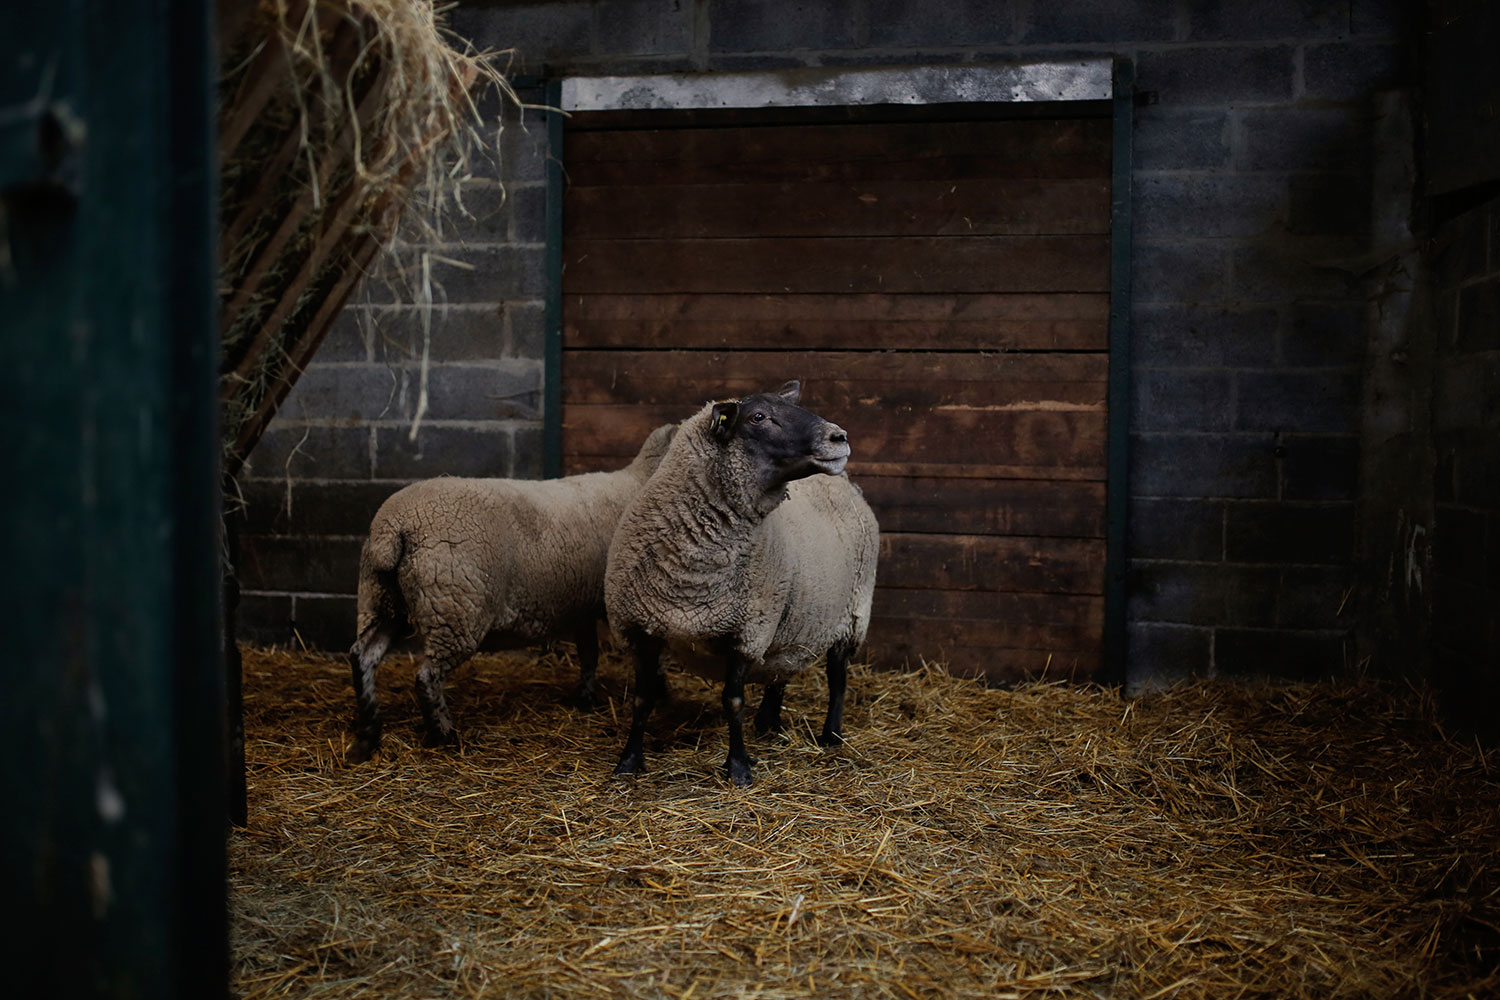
{"type": "Point", "coordinates": [941, 288]}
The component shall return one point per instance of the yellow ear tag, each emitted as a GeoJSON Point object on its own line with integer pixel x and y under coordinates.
{"type": "Point", "coordinates": [723, 419]}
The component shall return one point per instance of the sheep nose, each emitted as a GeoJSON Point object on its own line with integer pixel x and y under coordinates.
{"type": "Point", "coordinates": [837, 435]}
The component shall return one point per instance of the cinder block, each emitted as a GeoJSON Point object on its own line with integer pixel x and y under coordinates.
{"type": "Point", "coordinates": [1202, 465]}
{"type": "Point", "coordinates": [1183, 336]}
{"type": "Point", "coordinates": [1344, 71]}
{"type": "Point", "coordinates": [538, 32]}
{"type": "Point", "coordinates": [1250, 594]}
{"type": "Point", "coordinates": [442, 451]}
{"type": "Point", "coordinates": [1304, 534]}
{"type": "Point", "coordinates": [481, 213]}
{"type": "Point", "coordinates": [528, 213]}
{"type": "Point", "coordinates": [1199, 205]}
{"type": "Point", "coordinates": [336, 508]}
{"type": "Point", "coordinates": [1123, 21]}
{"type": "Point", "coordinates": [529, 459]}
{"type": "Point", "coordinates": [1311, 597]}
{"type": "Point", "coordinates": [1172, 139]}
{"type": "Point", "coordinates": [353, 393]}
{"type": "Point", "coordinates": [1297, 401]}
{"type": "Point", "coordinates": [325, 623]}
{"type": "Point", "coordinates": [772, 26]}
{"type": "Point", "coordinates": [477, 275]}
{"type": "Point", "coordinates": [264, 619]}
{"type": "Point", "coordinates": [1295, 269]}
{"type": "Point", "coordinates": [1183, 272]}
{"type": "Point", "coordinates": [1328, 205]}
{"type": "Point", "coordinates": [1176, 529]}
{"type": "Point", "coordinates": [1160, 655]}
{"type": "Point", "coordinates": [907, 24]}
{"type": "Point", "coordinates": [1278, 653]}
{"type": "Point", "coordinates": [1301, 139]}
{"type": "Point", "coordinates": [1237, 75]}
{"type": "Point", "coordinates": [1181, 400]}
{"type": "Point", "coordinates": [1320, 467]}
{"type": "Point", "coordinates": [1389, 18]}
{"type": "Point", "coordinates": [643, 27]}
{"type": "Point", "coordinates": [1321, 334]}
{"type": "Point", "coordinates": [1224, 19]}
{"type": "Point", "coordinates": [1177, 593]}
{"type": "Point", "coordinates": [299, 563]}
{"type": "Point", "coordinates": [311, 452]}
{"type": "Point", "coordinates": [459, 333]}
{"type": "Point", "coordinates": [346, 339]}
{"type": "Point", "coordinates": [506, 390]}
{"type": "Point", "coordinates": [262, 506]}
{"type": "Point", "coordinates": [526, 335]}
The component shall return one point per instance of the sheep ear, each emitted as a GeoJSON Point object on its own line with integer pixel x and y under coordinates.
{"type": "Point", "coordinates": [791, 392]}
{"type": "Point", "coordinates": [721, 423]}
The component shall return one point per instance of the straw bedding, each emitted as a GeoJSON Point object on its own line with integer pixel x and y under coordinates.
{"type": "Point", "coordinates": [1206, 841]}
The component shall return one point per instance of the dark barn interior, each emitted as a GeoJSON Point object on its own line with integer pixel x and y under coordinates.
{"type": "Point", "coordinates": [1167, 338]}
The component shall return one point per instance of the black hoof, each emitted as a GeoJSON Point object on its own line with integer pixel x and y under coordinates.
{"type": "Point", "coordinates": [739, 772]}
{"type": "Point", "coordinates": [585, 701]}
{"type": "Point", "coordinates": [830, 739]}
{"type": "Point", "coordinates": [440, 738]}
{"type": "Point", "coordinates": [362, 750]}
{"type": "Point", "coordinates": [630, 764]}
{"type": "Point", "coordinates": [764, 726]}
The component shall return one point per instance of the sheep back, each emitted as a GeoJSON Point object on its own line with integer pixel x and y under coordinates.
{"type": "Point", "coordinates": [478, 556]}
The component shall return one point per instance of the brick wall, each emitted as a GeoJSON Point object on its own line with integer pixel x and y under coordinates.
{"type": "Point", "coordinates": [1251, 192]}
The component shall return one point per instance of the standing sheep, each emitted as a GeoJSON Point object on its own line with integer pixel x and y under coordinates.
{"type": "Point", "coordinates": [460, 560]}
{"type": "Point", "coordinates": [731, 550]}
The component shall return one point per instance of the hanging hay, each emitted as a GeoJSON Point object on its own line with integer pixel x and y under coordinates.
{"type": "Point", "coordinates": [1207, 841]}
{"type": "Point", "coordinates": [339, 119]}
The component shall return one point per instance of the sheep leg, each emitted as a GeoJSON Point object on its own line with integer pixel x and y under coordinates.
{"type": "Point", "coordinates": [768, 719]}
{"type": "Point", "coordinates": [434, 704]}
{"type": "Point", "coordinates": [364, 657]}
{"type": "Point", "coordinates": [738, 764]}
{"type": "Point", "coordinates": [838, 677]}
{"type": "Point", "coordinates": [587, 640]}
{"type": "Point", "coordinates": [649, 686]}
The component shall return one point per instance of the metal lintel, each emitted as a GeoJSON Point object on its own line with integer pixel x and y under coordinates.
{"type": "Point", "coordinates": [1071, 80]}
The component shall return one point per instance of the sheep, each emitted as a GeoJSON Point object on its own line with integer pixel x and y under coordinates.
{"type": "Point", "coordinates": [498, 561]}
{"type": "Point", "coordinates": [748, 549]}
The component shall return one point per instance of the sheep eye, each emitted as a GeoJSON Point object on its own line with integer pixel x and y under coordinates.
{"type": "Point", "coordinates": [758, 417]}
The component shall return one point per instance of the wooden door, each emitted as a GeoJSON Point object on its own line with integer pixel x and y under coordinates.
{"type": "Point", "coordinates": [941, 288]}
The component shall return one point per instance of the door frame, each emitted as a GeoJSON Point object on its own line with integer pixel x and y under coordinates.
{"type": "Point", "coordinates": [1094, 81]}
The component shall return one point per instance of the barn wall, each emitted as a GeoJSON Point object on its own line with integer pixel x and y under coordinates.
{"type": "Point", "coordinates": [1465, 406]}
{"type": "Point", "coordinates": [1252, 192]}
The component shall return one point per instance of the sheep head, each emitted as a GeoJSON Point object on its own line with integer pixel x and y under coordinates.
{"type": "Point", "coordinates": [780, 440]}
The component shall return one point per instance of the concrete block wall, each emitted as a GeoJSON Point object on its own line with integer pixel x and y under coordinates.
{"type": "Point", "coordinates": [1251, 194]}
{"type": "Point", "coordinates": [341, 442]}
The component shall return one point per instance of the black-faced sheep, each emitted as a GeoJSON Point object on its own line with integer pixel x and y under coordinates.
{"type": "Point", "coordinates": [748, 545]}
{"type": "Point", "coordinates": [492, 561]}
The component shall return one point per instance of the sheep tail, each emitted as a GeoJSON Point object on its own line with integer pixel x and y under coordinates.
{"type": "Point", "coordinates": [380, 599]}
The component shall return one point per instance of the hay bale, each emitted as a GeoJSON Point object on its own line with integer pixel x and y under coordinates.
{"type": "Point", "coordinates": [1206, 841]}
{"type": "Point", "coordinates": [339, 120]}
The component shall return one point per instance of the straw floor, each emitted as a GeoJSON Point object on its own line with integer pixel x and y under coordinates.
{"type": "Point", "coordinates": [1312, 841]}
